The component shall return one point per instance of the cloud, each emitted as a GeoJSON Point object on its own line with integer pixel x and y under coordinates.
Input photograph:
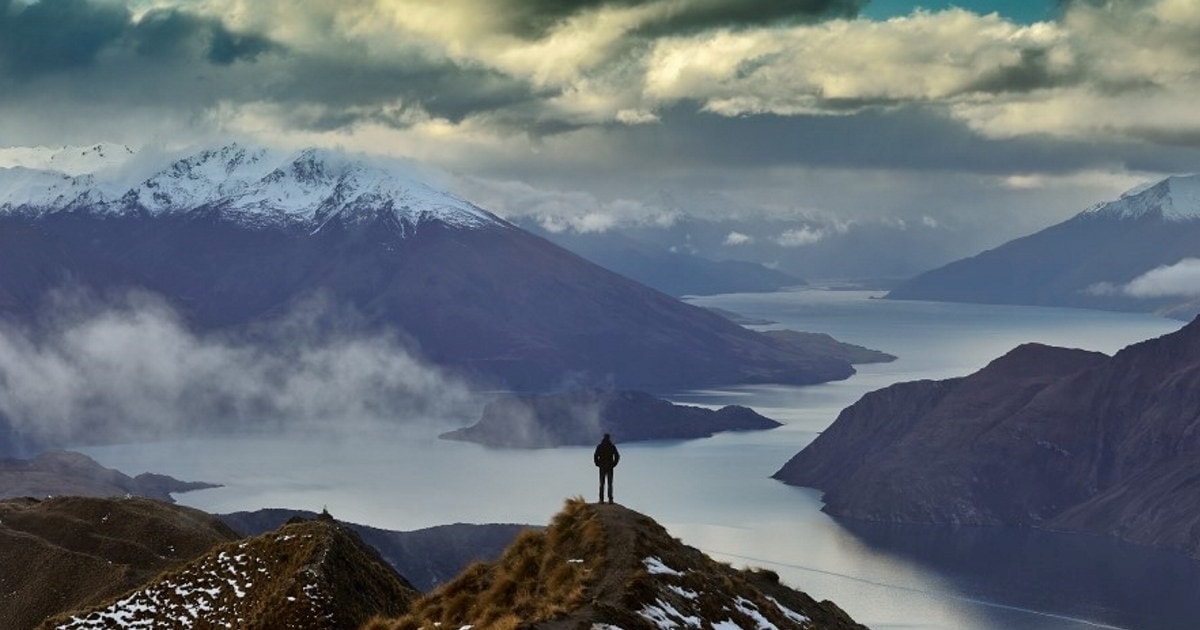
{"type": "Point", "coordinates": [561, 211]}
{"type": "Point", "coordinates": [1181, 279]}
{"type": "Point", "coordinates": [130, 369]}
{"type": "Point", "coordinates": [737, 238]}
{"type": "Point", "coordinates": [800, 237]}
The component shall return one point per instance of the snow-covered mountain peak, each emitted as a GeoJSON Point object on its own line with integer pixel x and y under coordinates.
{"type": "Point", "coordinates": [1175, 198]}
{"type": "Point", "coordinates": [200, 179]}
{"type": "Point", "coordinates": [254, 186]}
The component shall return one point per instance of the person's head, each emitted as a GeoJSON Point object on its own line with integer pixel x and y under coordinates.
{"type": "Point", "coordinates": [607, 437]}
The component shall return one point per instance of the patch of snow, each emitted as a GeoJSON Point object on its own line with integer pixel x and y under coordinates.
{"type": "Point", "coordinates": [728, 624]}
{"type": "Point", "coordinates": [789, 613]}
{"type": "Point", "coordinates": [683, 592]}
{"type": "Point", "coordinates": [665, 616]}
{"type": "Point", "coordinates": [605, 626]}
{"type": "Point", "coordinates": [656, 567]}
{"type": "Point", "coordinates": [747, 607]}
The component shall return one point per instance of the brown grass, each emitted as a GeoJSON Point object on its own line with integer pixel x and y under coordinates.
{"type": "Point", "coordinates": [541, 576]}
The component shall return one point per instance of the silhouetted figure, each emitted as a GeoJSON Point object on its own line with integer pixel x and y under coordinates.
{"type": "Point", "coordinates": [606, 458]}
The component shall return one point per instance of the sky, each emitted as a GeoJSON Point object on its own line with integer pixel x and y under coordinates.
{"type": "Point", "coordinates": [979, 120]}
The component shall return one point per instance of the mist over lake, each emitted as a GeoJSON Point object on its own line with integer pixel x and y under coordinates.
{"type": "Point", "coordinates": [716, 493]}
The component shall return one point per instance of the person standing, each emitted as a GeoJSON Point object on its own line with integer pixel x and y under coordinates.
{"type": "Point", "coordinates": [606, 458]}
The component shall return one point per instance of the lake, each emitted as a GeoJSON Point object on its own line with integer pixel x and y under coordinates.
{"type": "Point", "coordinates": [716, 494]}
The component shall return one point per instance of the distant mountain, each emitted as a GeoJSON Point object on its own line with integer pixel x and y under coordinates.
{"type": "Point", "coordinates": [235, 237]}
{"type": "Point", "coordinates": [311, 574]}
{"type": "Point", "coordinates": [582, 417]}
{"type": "Point", "coordinates": [676, 272]}
{"type": "Point", "coordinates": [1127, 254]}
{"type": "Point", "coordinates": [1046, 437]}
{"type": "Point", "coordinates": [71, 552]}
{"type": "Point", "coordinates": [605, 566]}
{"type": "Point", "coordinates": [58, 473]}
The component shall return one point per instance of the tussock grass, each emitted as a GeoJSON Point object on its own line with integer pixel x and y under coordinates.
{"type": "Point", "coordinates": [541, 576]}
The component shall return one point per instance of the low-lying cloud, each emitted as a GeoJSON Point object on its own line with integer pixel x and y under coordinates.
{"type": "Point", "coordinates": [1181, 279]}
{"type": "Point", "coordinates": [133, 370]}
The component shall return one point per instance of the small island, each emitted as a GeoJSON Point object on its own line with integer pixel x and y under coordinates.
{"type": "Point", "coordinates": [581, 417]}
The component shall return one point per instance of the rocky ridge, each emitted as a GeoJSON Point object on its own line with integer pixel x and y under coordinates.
{"type": "Point", "coordinates": [313, 574]}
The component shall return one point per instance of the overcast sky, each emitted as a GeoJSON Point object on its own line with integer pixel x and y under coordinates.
{"type": "Point", "coordinates": [993, 116]}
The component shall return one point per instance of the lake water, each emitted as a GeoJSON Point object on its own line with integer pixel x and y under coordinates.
{"type": "Point", "coordinates": [715, 494]}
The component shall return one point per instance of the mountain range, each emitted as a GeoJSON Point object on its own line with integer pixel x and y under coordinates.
{"type": "Point", "coordinates": [118, 563]}
{"type": "Point", "coordinates": [235, 237]}
{"type": "Point", "coordinates": [1047, 437]}
{"type": "Point", "coordinates": [1137, 253]}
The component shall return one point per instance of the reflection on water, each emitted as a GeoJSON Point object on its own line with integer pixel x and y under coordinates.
{"type": "Point", "coordinates": [716, 494]}
{"type": "Point", "coordinates": [1077, 576]}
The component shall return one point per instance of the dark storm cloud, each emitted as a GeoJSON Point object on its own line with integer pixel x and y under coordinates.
{"type": "Point", "coordinates": [169, 32]}
{"type": "Point", "coordinates": [52, 36]}
{"type": "Point", "coordinates": [1032, 72]}
{"type": "Point", "coordinates": [101, 56]}
{"type": "Point", "coordinates": [55, 35]}
{"type": "Point", "coordinates": [535, 18]}
{"type": "Point", "coordinates": [907, 139]}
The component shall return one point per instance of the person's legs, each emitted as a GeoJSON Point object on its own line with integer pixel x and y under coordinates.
{"type": "Point", "coordinates": [601, 499]}
{"type": "Point", "coordinates": [608, 473]}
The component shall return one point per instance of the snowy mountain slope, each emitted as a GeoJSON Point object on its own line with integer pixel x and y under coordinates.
{"type": "Point", "coordinates": [1172, 199]}
{"type": "Point", "coordinates": [1093, 260]}
{"type": "Point", "coordinates": [256, 187]}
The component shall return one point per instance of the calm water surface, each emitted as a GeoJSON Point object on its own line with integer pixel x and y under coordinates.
{"type": "Point", "coordinates": [716, 494]}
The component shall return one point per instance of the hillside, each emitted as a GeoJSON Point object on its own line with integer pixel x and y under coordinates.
{"type": "Point", "coordinates": [71, 552]}
{"type": "Point", "coordinates": [74, 474]}
{"type": "Point", "coordinates": [312, 574]}
{"type": "Point", "coordinates": [582, 417]}
{"type": "Point", "coordinates": [1117, 255]}
{"type": "Point", "coordinates": [1046, 437]}
{"type": "Point", "coordinates": [605, 566]}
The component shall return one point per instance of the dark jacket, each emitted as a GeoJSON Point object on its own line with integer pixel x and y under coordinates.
{"type": "Point", "coordinates": [606, 455]}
